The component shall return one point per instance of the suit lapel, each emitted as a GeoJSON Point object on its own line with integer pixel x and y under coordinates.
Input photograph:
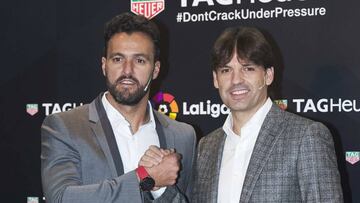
{"type": "Point", "coordinates": [102, 129]}
{"type": "Point", "coordinates": [105, 135]}
{"type": "Point", "coordinates": [100, 135]}
{"type": "Point", "coordinates": [269, 132]}
{"type": "Point", "coordinates": [219, 150]}
{"type": "Point", "coordinates": [161, 129]}
{"type": "Point", "coordinates": [209, 166]}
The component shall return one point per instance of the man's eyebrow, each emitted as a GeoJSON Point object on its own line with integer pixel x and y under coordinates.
{"type": "Point", "coordinates": [248, 64]}
{"type": "Point", "coordinates": [225, 66]}
{"type": "Point", "coordinates": [142, 55]}
{"type": "Point", "coordinates": [134, 55]}
{"type": "Point", "coordinates": [115, 54]}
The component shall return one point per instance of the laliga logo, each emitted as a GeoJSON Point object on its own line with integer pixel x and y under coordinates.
{"type": "Point", "coordinates": [147, 8]}
{"type": "Point", "coordinates": [165, 103]}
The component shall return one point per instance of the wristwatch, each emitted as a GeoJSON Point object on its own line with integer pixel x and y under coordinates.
{"type": "Point", "coordinates": [147, 183]}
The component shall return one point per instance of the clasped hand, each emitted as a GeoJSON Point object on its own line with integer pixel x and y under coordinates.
{"type": "Point", "coordinates": [162, 165]}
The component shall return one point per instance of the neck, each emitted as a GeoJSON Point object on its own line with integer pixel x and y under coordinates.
{"type": "Point", "coordinates": [136, 115]}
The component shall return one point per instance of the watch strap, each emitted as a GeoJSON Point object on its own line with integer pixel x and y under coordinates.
{"type": "Point", "coordinates": [141, 172]}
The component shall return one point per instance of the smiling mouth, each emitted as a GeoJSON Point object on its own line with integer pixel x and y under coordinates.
{"type": "Point", "coordinates": [239, 92]}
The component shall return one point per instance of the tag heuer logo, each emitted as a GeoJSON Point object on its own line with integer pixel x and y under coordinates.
{"type": "Point", "coordinates": [32, 109]}
{"type": "Point", "coordinates": [283, 103]}
{"type": "Point", "coordinates": [32, 200]}
{"type": "Point", "coordinates": [352, 157]}
{"type": "Point", "coordinates": [147, 8]}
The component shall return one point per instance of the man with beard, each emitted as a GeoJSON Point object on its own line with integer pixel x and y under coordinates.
{"type": "Point", "coordinates": [261, 153]}
{"type": "Point", "coordinates": [92, 153]}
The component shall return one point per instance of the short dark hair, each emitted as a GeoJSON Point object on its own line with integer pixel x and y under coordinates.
{"type": "Point", "coordinates": [130, 23]}
{"type": "Point", "coordinates": [247, 42]}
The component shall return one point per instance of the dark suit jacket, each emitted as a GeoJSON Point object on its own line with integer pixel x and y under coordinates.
{"type": "Point", "coordinates": [80, 161]}
{"type": "Point", "coordinates": [293, 161]}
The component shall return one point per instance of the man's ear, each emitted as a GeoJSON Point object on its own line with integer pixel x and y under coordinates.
{"type": "Point", "coordinates": [269, 76]}
{"type": "Point", "coordinates": [156, 72]}
{"type": "Point", "coordinates": [216, 84]}
{"type": "Point", "coordinates": [103, 65]}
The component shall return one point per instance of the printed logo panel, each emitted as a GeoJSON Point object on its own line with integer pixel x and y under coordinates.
{"type": "Point", "coordinates": [147, 8]}
{"type": "Point", "coordinates": [166, 104]}
{"type": "Point", "coordinates": [32, 200]}
{"type": "Point", "coordinates": [32, 109]}
{"type": "Point", "coordinates": [352, 157]}
{"type": "Point", "coordinates": [283, 103]}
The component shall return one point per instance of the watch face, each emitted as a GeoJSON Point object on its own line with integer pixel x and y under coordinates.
{"type": "Point", "coordinates": [147, 184]}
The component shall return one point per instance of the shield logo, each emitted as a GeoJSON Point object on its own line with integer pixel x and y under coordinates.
{"type": "Point", "coordinates": [32, 200]}
{"type": "Point", "coordinates": [32, 109]}
{"type": "Point", "coordinates": [147, 8]}
{"type": "Point", "coordinates": [352, 157]}
{"type": "Point", "coordinates": [283, 104]}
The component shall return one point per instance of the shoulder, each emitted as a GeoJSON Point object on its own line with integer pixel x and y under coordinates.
{"type": "Point", "coordinates": [298, 121]}
{"type": "Point", "coordinates": [66, 127]}
{"type": "Point", "coordinates": [295, 119]}
{"type": "Point", "coordinates": [76, 115]}
{"type": "Point", "coordinates": [300, 126]}
{"type": "Point", "coordinates": [278, 116]}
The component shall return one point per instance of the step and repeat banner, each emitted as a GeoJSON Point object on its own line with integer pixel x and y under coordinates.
{"type": "Point", "coordinates": [51, 62]}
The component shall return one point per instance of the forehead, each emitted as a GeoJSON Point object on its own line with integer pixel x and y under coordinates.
{"type": "Point", "coordinates": [136, 41]}
{"type": "Point", "coordinates": [236, 59]}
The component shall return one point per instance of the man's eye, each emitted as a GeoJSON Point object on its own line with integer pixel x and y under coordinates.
{"type": "Point", "coordinates": [116, 59]}
{"type": "Point", "coordinates": [224, 70]}
{"type": "Point", "coordinates": [248, 68]}
{"type": "Point", "coordinates": [140, 60]}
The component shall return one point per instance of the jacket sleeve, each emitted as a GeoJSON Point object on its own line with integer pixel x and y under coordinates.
{"type": "Point", "coordinates": [171, 195]}
{"type": "Point", "coordinates": [61, 172]}
{"type": "Point", "coordinates": [317, 170]}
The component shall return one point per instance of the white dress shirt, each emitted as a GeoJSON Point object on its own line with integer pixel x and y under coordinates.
{"type": "Point", "coordinates": [132, 146]}
{"type": "Point", "coordinates": [237, 153]}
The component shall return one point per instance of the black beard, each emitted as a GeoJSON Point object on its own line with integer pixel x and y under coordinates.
{"type": "Point", "coordinates": [125, 97]}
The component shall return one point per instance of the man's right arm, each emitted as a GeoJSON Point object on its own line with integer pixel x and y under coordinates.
{"type": "Point", "coordinates": [61, 172]}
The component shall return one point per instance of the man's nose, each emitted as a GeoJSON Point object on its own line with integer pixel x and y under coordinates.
{"type": "Point", "coordinates": [237, 76]}
{"type": "Point", "coordinates": [128, 67]}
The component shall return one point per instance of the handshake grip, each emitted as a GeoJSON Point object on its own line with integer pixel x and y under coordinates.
{"type": "Point", "coordinates": [162, 165]}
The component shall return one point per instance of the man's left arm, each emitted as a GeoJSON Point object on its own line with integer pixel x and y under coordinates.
{"type": "Point", "coordinates": [318, 174]}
